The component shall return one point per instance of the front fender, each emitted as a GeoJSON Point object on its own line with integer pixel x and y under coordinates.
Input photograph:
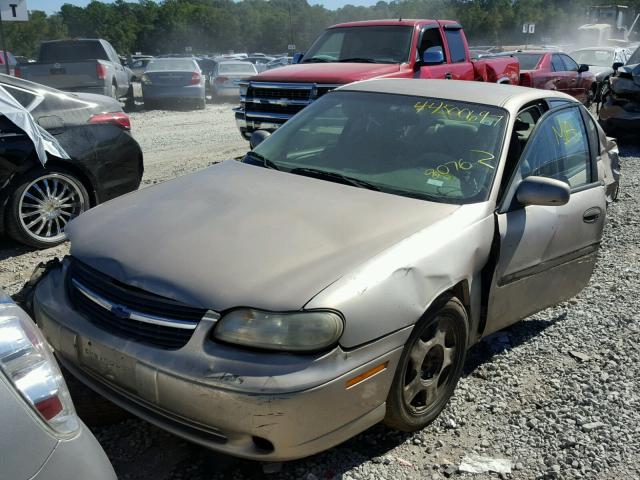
{"type": "Point", "coordinates": [393, 289]}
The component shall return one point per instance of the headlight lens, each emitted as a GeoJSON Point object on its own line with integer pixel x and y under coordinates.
{"type": "Point", "coordinates": [296, 332]}
{"type": "Point", "coordinates": [145, 79]}
{"type": "Point", "coordinates": [244, 87]}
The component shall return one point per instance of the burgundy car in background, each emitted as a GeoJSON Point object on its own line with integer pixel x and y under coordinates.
{"type": "Point", "coordinates": [555, 71]}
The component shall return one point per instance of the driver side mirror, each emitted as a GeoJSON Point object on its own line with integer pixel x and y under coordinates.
{"type": "Point", "coordinates": [433, 56]}
{"type": "Point", "coordinates": [258, 137]}
{"type": "Point", "coordinates": [297, 57]}
{"type": "Point", "coordinates": [616, 66]}
{"type": "Point", "coordinates": [583, 68]}
{"type": "Point", "coordinates": [542, 191]}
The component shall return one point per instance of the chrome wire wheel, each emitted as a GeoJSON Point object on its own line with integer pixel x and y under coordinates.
{"type": "Point", "coordinates": [47, 204]}
{"type": "Point", "coordinates": [429, 367]}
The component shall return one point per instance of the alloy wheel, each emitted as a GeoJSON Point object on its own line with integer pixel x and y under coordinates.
{"type": "Point", "coordinates": [430, 366]}
{"type": "Point", "coordinates": [47, 204]}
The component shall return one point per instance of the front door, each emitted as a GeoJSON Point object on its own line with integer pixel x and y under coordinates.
{"type": "Point", "coordinates": [547, 253]}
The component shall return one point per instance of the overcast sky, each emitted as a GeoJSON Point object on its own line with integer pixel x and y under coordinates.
{"type": "Point", "coordinates": [51, 6]}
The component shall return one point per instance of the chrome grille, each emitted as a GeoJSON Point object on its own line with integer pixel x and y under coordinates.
{"type": "Point", "coordinates": [130, 312]}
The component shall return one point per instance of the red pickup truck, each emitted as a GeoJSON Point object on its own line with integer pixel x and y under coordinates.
{"type": "Point", "coordinates": [361, 51]}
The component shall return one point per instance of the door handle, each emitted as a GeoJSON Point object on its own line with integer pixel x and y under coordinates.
{"type": "Point", "coordinates": [448, 76]}
{"type": "Point", "coordinates": [591, 215]}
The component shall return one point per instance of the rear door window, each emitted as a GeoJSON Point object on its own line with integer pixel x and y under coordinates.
{"type": "Point", "coordinates": [560, 150]}
{"type": "Point", "coordinates": [456, 43]}
{"type": "Point", "coordinates": [557, 64]}
{"type": "Point", "coordinates": [569, 63]}
{"type": "Point", "coordinates": [23, 97]}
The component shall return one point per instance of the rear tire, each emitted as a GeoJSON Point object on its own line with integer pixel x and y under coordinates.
{"type": "Point", "coordinates": [430, 366]}
{"type": "Point", "coordinates": [130, 102]}
{"type": "Point", "coordinates": [42, 203]}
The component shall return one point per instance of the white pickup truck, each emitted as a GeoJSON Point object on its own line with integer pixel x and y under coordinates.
{"type": "Point", "coordinates": [80, 65]}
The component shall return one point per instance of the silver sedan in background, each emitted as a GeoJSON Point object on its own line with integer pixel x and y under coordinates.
{"type": "Point", "coordinates": [227, 76]}
{"type": "Point", "coordinates": [176, 80]}
{"type": "Point", "coordinates": [41, 437]}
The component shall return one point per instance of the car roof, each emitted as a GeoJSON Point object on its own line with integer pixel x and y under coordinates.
{"type": "Point", "coordinates": [612, 49]}
{"type": "Point", "coordinates": [510, 97]}
{"type": "Point", "coordinates": [410, 22]}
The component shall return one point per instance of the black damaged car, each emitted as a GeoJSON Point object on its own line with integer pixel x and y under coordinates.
{"type": "Point", "coordinates": [620, 110]}
{"type": "Point", "coordinates": [105, 161]}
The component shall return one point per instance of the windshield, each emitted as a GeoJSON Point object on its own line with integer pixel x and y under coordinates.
{"type": "Point", "coordinates": [635, 58]}
{"type": "Point", "coordinates": [379, 44]}
{"type": "Point", "coordinates": [237, 68]}
{"type": "Point", "coordinates": [428, 148]}
{"type": "Point", "coordinates": [171, 64]}
{"type": "Point", "coordinates": [598, 58]}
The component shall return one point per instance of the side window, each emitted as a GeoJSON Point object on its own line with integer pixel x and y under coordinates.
{"type": "Point", "coordinates": [557, 64]}
{"type": "Point", "coordinates": [570, 63]}
{"type": "Point", "coordinates": [594, 135]}
{"type": "Point", "coordinates": [430, 38]}
{"type": "Point", "coordinates": [559, 150]}
{"type": "Point", "coordinates": [456, 45]}
{"type": "Point", "coordinates": [23, 97]}
{"type": "Point", "coordinates": [557, 102]}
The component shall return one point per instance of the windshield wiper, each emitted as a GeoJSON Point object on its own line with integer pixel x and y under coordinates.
{"type": "Point", "coordinates": [333, 176]}
{"type": "Point", "coordinates": [316, 60]}
{"type": "Point", "coordinates": [265, 161]}
{"type": "Point", "coordinates": [359, 60]}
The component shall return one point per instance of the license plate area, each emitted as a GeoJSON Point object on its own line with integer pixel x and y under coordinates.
{"type": "Point", "coordinates": [58, 71]}
{"type": "Point", "coordinates": [111, 364]}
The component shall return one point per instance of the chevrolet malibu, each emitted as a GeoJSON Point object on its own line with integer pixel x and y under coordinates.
{"type": "Point", "coordinates": [336, 276]}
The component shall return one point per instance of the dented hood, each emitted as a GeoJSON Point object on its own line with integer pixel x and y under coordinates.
{"type": "Point", "coordinates": [240, 235]}
{"type": "Point", "coordinates": [332, 73]}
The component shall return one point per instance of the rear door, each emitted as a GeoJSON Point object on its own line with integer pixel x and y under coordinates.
{"type": "Point", "coordinates": [431, 38]}
{"type": "Point", "coordinates": [561, 78]}
{"type": "Point", "coordinates": [461, 66]}
{"type": "Point", "coordinates": [121, 74]}
{"type": "Point", "coordinates": [577, 87]}
{"type": "Point", "coordinates": [547, 253]}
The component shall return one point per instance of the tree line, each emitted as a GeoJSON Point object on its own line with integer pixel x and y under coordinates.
{"type": "Point", "coordinates": [220, 26]}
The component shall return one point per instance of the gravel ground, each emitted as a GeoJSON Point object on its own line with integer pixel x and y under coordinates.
{"type": "Point", "coordinates": [557, 394]}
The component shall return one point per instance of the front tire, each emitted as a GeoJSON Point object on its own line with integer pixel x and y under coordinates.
{"type": "Point", "coordinates": [430, 366]}
{"type": "Point", "coordinates": [42, 204]}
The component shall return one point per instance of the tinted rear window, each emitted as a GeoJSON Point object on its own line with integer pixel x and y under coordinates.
{"type": "Point", "coordinates": [456, 46]}
{"type": "Point", "coordinates": [59, 52]}
{"type": "Point", "coordinates": [176, 64]}
{"type": "Point", "coordinates": [236, 68]}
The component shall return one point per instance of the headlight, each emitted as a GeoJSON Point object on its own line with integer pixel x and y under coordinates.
{"type": "Point", "coordinates": [145, 79]}
{"type": "Point", "coordinates": [296, 332]}
{"type": "Point", "coordinates": [244, 87]}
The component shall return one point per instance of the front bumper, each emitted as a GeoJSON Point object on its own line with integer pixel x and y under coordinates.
{"type": "Point", "coordinates": [616, 120]}
{"type": "Point", "coordinates": [256, 405]}
{"type": "Point", "coordinates": [153, 92]}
